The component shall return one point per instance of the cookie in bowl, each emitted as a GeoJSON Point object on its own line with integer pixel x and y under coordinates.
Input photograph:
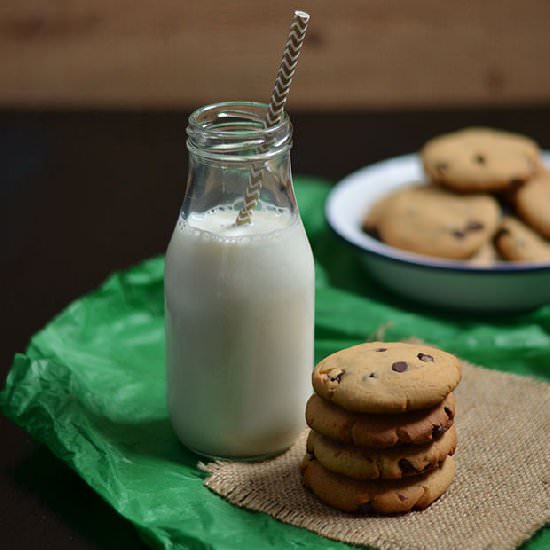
{"type": "Point", "coordinates": [517, 242]}
{"type": "Point", "coordinates": [433, 221]}
{"type": "Point", "coordinates": [480, 159]}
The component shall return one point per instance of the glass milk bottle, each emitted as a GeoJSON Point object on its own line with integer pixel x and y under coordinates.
{"type": "Point", "coordinates": [239, 298]}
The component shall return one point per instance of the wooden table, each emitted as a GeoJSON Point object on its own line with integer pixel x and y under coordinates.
{"type": "Point", "coordinates": [86, 193]}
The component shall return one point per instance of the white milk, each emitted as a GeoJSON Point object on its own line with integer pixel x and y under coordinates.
{"type": "Point", "coordinates": [239, 332]}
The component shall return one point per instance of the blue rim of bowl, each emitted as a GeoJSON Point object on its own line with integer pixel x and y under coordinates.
{"type": "Point", "coordinates": [396, 256]}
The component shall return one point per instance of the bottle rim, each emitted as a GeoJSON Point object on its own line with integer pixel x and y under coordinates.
{"type": "Point", "coordinates": [236, 129]}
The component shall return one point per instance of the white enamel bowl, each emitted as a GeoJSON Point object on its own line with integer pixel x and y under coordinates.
{"type": "Point", "coordinates": [445, 283]}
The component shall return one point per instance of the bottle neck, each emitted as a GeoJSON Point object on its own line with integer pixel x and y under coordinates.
{"type": "Point", "coordinates": [226, 142]}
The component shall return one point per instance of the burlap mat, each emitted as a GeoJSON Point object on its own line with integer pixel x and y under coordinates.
{"type": "Point", "coordinates": [500, 497]}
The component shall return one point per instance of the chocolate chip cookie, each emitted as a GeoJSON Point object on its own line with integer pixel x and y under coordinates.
{"type": "Point", "coordinates": [379, 431]}
{"type": "Point", "coordinates": [533, 203]}
{"type": "Point", "coordinates": [380, 377]}
{"type": "Point", "coordinates": [368, 463]}
{"type": "Point", "coordinates": [480, 159]}
{"type": "Point", "coordinates": [433, 221]}
{"type": "Point", "coordinates": [383, 497]}
{"type": "Point", "coordinates": [374, 215]}
{"type": "Point", "coordinates": [518, 243]}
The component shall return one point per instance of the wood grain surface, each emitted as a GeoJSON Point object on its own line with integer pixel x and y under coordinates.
{"type": "Point", "coordinates": [358, 54]}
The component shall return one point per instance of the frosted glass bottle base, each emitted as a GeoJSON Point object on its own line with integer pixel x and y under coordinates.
{"type": "Point", "coordinates": [253, 458]}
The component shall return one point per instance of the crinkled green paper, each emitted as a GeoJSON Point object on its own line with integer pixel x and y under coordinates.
{"type": "Point", "coordinates": [91, 387]}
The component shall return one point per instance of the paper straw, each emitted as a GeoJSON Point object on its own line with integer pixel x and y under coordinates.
{"type": "Point", "coordinates": [275, 110]}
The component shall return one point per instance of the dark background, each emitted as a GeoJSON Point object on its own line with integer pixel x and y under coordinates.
{"type": "Point", "coordinates": [86, 193]}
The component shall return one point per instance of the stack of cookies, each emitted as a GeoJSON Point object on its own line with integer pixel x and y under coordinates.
{"type": "Point", "coordinates": [382, 434]}
{"type": "Point", "coordinates": [474, 175]}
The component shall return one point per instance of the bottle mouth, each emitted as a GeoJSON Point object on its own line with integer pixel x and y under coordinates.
{"type": "Point", "coordinates": [236, 130]}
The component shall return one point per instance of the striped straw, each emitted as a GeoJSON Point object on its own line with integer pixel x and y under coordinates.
{"type": "Point", "coordinates": [275, 110]}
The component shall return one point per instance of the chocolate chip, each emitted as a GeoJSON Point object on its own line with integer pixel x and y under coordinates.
{"type": "Point", "coordinates": [480, 159]}
{"type": "Point", "coordinates": [372, 375]}
{"type": "Point", "coordinates": [441, 166]}
{"type": "Point", "coordinates": [336, 376]}
{"type": "Point", "coordinates": [448, 412]}
{"type": "Point", "coordinates": [407, 467]}
{"type": "Point", "coordinates": [425, 357]}
{"type": "Point", "coordinates": [381, 349]}
{"type": "Point", "coordinates": [437, 431]}
{"type": "Point", "coordinates": [402, 498]}
{"type": "Point", "coordinates": [458, 234]}
{"type": "Point", "coordinates": [474, 226]}
{"type": "Point", "coordinates": [400, 366]}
